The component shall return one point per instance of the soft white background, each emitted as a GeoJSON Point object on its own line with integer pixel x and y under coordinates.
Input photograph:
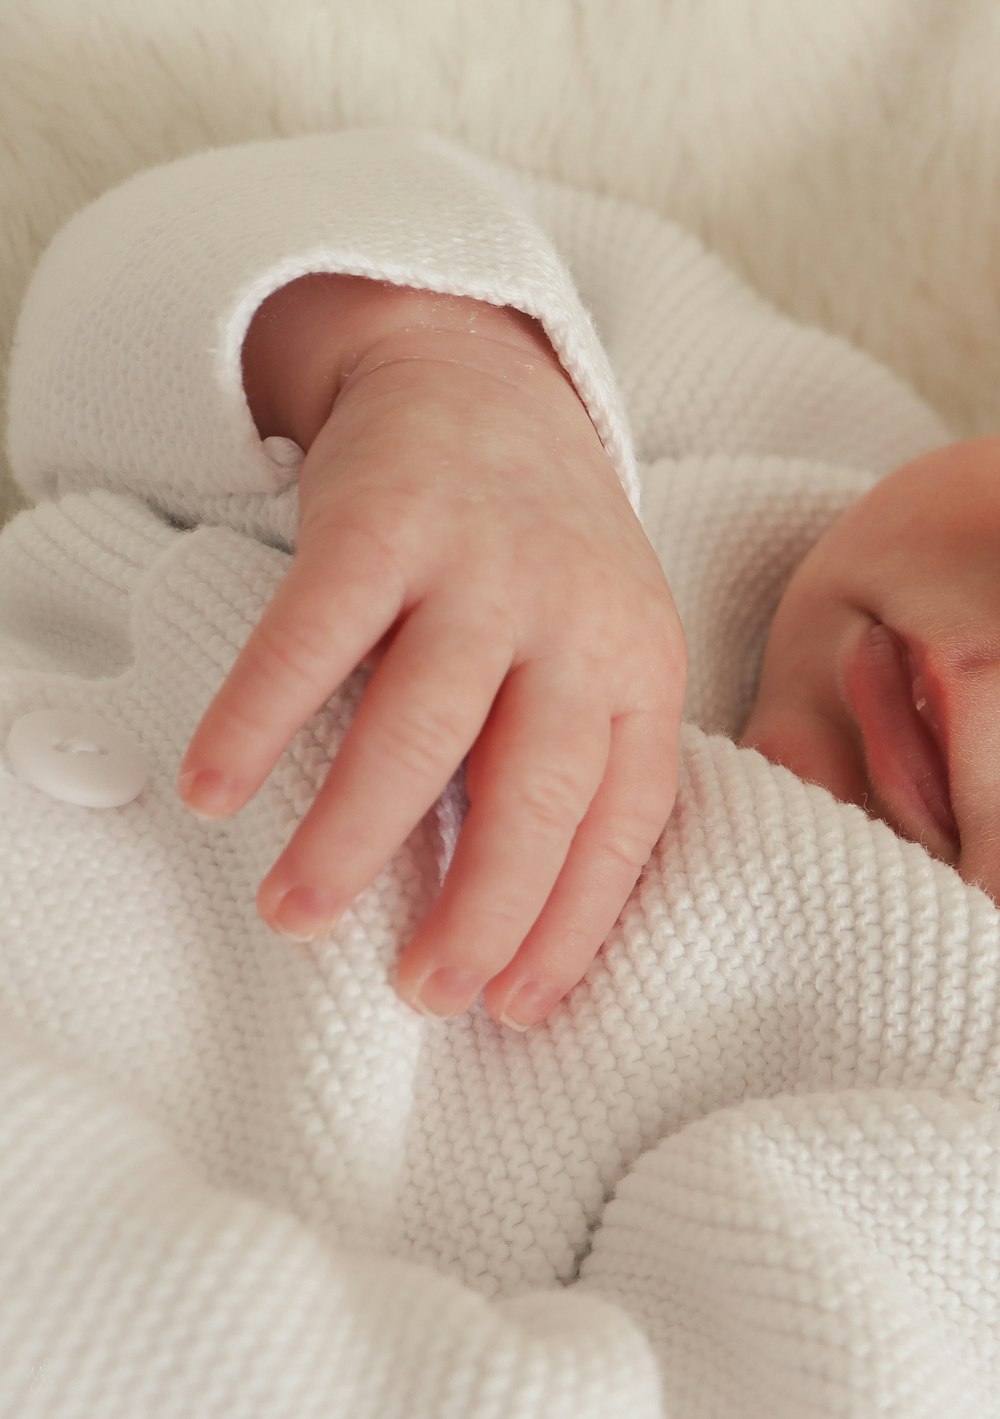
{"type": "Point", "coordinates": [844, 157]}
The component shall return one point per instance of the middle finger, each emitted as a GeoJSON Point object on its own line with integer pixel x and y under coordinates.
{"type": "Point", "coordinates": [426, 701]}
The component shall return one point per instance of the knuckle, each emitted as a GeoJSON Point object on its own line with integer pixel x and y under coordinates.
{"type": "Point", "coordinates": [246, 722]}
{"type": "Point", "coordinates": [553, 799]}
{"type": "Point", "coordinates": [422, 741]}
{"type": "Point", "coordinates": [497, 930]}
{"type": "Point", "coordinates": [569, 960]}
{"type": "Point", "coordinates": [668, 635]}
{"type": "Point", "coordinates": [497, 622]}
{"type": "Point", "coordinates": [373, 552]}
{"type": "Point", "coordinates": [676, 658]}
{"type": "Point", "coordinates": [298, 648]}
{"type": "Point", "coordinates": [630, 838]}
{"type": "Point", "coordinates": [660, 674]}
{"type": "Point", "coordinates": [380, 546]}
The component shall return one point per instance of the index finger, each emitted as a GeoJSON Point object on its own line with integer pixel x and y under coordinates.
{"type": "Point", "coordinates": [331, 609]}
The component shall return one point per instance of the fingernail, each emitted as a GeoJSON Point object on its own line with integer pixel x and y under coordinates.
{"type": "Point", "coordinates": [304, 913]}
{"type": "Point", "coordinates": [206, 792]}
{"type": "Point", "coordinates": [530, 1004]}
{"type": "Point", "coordinates": [447, 992]}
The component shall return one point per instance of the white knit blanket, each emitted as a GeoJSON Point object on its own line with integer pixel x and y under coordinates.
{"type": "Point", "coordinates": [751, 1167]}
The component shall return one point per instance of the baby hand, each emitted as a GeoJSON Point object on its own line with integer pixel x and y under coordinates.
{"type": "Point", "coordinates": [460, 516]}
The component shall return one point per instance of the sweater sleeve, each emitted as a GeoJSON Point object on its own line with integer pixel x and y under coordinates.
{"type": "Point", "coordinates": [126, 370]}
{"type": "Point", "coordinates": [705, 365]}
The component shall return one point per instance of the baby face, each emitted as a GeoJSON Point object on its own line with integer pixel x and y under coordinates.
{"type": "Point", "coordinates": [881, 675]}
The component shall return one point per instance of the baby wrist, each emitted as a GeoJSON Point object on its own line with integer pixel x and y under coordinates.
{"type": "Point", "coordinates": [308, 337]}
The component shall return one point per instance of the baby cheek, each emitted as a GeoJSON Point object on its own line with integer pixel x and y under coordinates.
{"type": "Point", "coordinates": [979, 863]}
{"type": "Point", "coordinates": [815, 747]}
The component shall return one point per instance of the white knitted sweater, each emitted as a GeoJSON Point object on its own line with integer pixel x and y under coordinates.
{"type": "Point", "coordinates": [751, 1167]}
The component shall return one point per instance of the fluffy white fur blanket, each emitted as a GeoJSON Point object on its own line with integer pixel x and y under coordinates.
{"type": "Point", "coordinates": [845, 158]}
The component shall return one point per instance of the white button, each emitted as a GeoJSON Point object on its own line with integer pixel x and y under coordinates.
{"type": "Point", "coordinates": [77, 757]}
{"type": "Point", "coordinates": [284, 452]}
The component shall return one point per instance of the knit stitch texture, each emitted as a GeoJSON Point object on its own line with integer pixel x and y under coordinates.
{"type": "Point", "coordinates": [750, 1167]}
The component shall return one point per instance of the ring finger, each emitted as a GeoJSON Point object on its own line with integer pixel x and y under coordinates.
{"type": "Point", "coordinates": [540, 760]}
{"type": "Point", "coordinates": [611, 846]}
{"type": "Point", "coordinates": [426, 701]}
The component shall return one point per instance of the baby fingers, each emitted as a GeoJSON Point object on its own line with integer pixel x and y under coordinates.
{"type": "Point", "coordinates": [532, 777]}
{"type": "Point", "coordinates": [325, 617]}
{"type": "Point", "coordinates": [423, 707]}
{"type": "Point", "coordinates": [608, 852]}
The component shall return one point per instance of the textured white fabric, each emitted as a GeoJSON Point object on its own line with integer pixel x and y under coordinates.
{"type": "Point", "coordinates": [751, 1166]}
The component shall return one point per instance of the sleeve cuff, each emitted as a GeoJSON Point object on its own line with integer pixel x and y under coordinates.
{"type": "Point", "coordinates": [127, 361]}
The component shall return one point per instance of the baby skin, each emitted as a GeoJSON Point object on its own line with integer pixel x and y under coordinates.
{"type": "Point", "coordinates": [462, 529]}
{"type": "Point", "coordinates": [881, 675]}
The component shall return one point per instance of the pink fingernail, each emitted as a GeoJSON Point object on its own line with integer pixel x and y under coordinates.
{"type": "Point", "coordinates": [206, 792]}
{"type": "Point", "coordinates": [530, 1004]}
{"type": "Point", "coordinates": [304, 913]}
{"type": "Point", "coordinates": [447, 992]}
